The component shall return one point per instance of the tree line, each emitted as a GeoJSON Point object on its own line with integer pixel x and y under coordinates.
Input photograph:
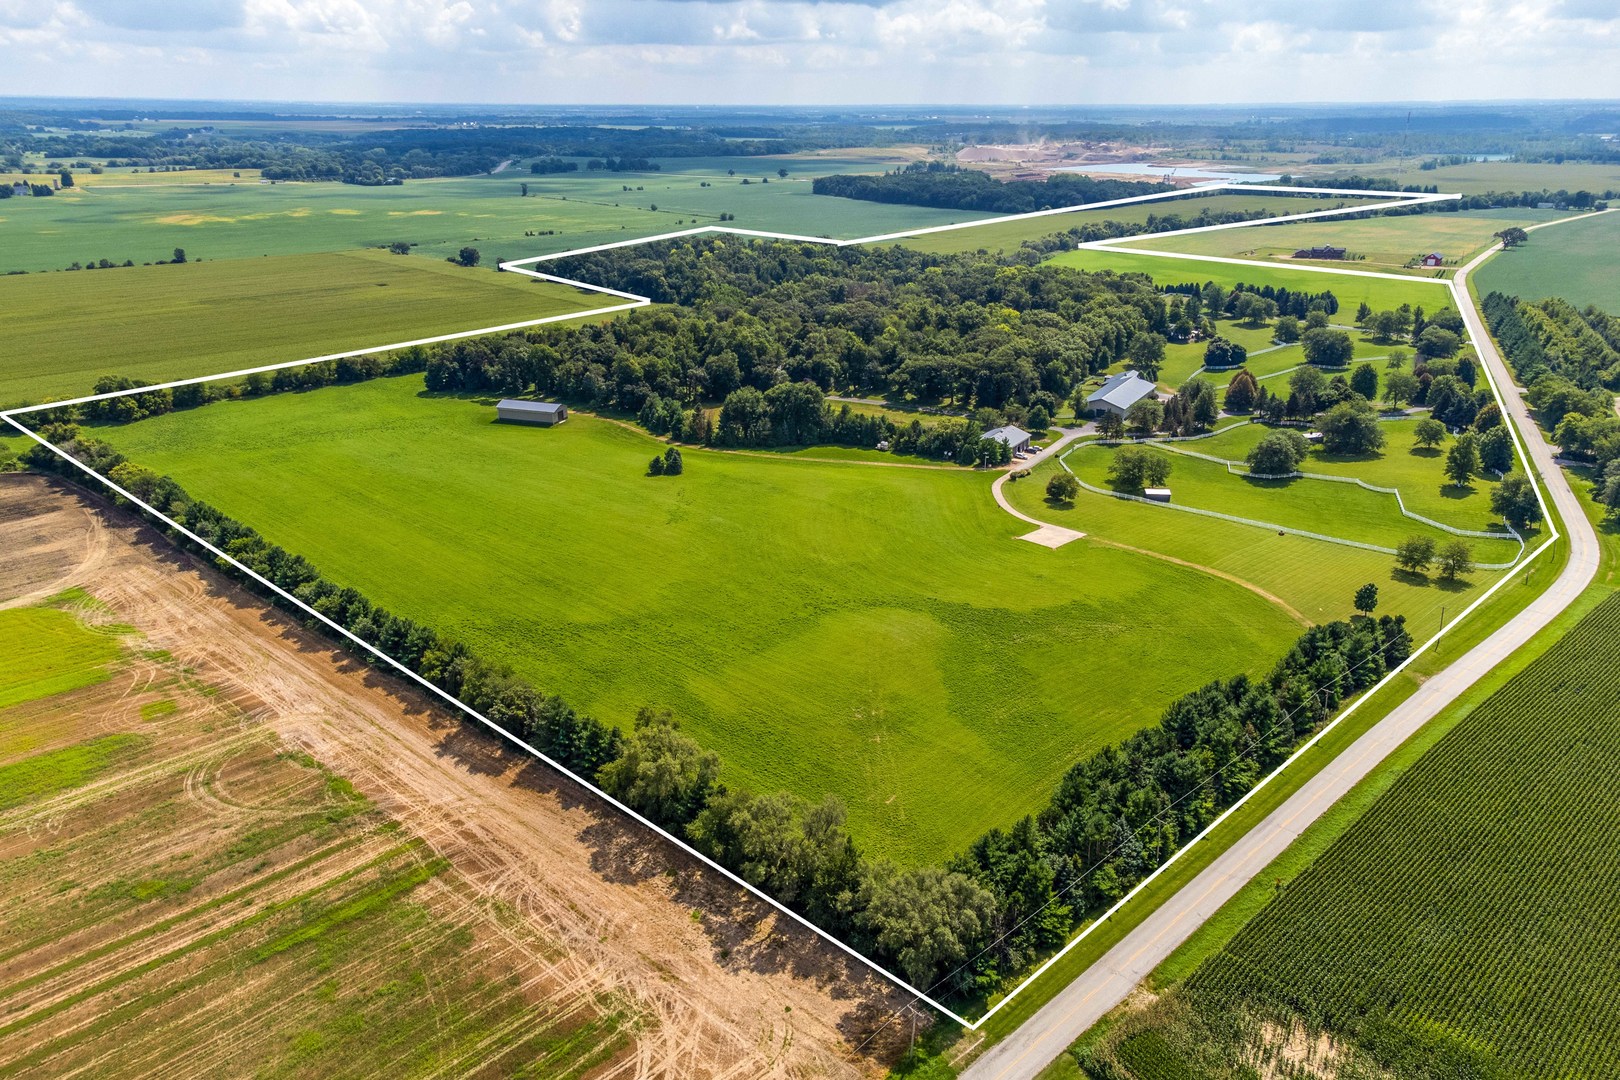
{"type": "Point", "coordinates": [962, 929]}
{"type": "Point", "coordinates": [951, 187]}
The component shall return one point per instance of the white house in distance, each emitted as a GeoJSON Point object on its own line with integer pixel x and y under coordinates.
{"type": "Point", "coordinates": [1017, 439]}
{"type": "Point", "coordinates": [1118, 393]}
{"type": "Point", "coordinates": [544, 413]}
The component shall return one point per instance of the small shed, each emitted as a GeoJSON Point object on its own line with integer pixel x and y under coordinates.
{"type": "Point", "coordinates": [1016, 438]}
{"type": "Point", "coordinates": [543, 413]}
{"type": "Point", "coordinates": [1434, 258]}
{"type": "Point", "coordinates": [1157, 494]}
{"type": "Point", "coordinates": [1313, 437]}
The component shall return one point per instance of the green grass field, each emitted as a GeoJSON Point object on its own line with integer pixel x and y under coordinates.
{"type": "Point", "coordinates": [1379, 293]}
{"type": "Point", "coordinates": [49, 652]}
{"type": "Point", "coordinates": [248, 219]}
{"type": "Point", "coordinates": [1465, 919]}
{"type": "Point", "coordinates": [1382, 243]}
{"type": "Point", "coordinates": [871, 632]}
{"type": "Point", "coordinates": [1267, 360]}
{"type": "Point", "coordinates": [171, 322]}
{"type": "Point", "coordinates": [1314, 578]}
{"type": "Point", "coordinates": [1579, 261]}
{"type": "Point", "coordinates": [1478, 177]}
{"type": "Point", "coordinates": [1008, 235]}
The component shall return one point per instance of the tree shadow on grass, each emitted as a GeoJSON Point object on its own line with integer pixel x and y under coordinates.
{"type": "Point", "coordinates": [1426, 452]}
{"type": "Point", "coordinates": [1456, 494]}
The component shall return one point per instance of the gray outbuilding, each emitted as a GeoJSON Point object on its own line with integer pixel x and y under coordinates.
{"type": "Point", "coordinates": [1016, 438]}
{"type": "Point", "coordinates": [1118, 393]}
{"type": "Point", "coordinates": [543, 413]}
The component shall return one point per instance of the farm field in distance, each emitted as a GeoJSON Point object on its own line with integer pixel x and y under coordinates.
{"type": "Point", "coordinates": [1383, 243]}
{"type": "Point", "coordinates": [247, 219]}
{"type": "Point", "coordinates": [158, 843]}
{"type": "Point", "coordinates": [1433, 930]}
{"type": "Point", "coordinates": [1579, 261]}
{"type": "Point", "coordinates": [866, 631]}
{"type": "Point", "coordinates": [1381, 294]}
{"type": "Point", "coordinates": [1008, 235]}
{"type": "Point", "coordinates": [172, 322]}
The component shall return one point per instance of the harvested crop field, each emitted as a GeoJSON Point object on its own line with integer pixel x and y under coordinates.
{"type": "Point", "coordinates": [253, 851]}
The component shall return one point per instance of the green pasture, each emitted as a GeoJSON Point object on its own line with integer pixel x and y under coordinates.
{"type": "Point", "coordinates": [1267, 360]}
{"type": "Point", "coordinates": [39, 777]}
{"type": "Point", "coordinates": [1346, 511]}
{"type": "Point", "coordinates": [1378, 293]}
{"type": "Point", "coordinates": [246, 219]}
{"type": "Point", "coordinates": [872, 632]}
{"type": "Point", "coordinates": [49, 652]}
{"type": "Point", "coordinates": [1009, 234]}
{"type": "Point", "coordinates": [171, 322]}
{"type": "Point", "coordinates": [1380, 243]}
{"type": "Point", "coordinates": [1579, 261]}
{"type": "Point", "coordinates": [1478, 177]}
{"type": "Point", "coordinates": [1315, 578]}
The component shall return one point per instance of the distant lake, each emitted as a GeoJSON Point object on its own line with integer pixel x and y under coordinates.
{"type": "Point", "coordinates": [1181, 172]}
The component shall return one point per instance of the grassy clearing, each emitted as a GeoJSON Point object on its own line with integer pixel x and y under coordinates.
{"type": "Point", "coordinates": [1340, 510]}
{"type": "Point", "coordinates": [170, 322]}
{"type": "Point", "coordinates": [1380, 293]}
{"type": "Point", "coordinates": [1579, 261]}
{"type": "Point", "coordinates": [1478, 177]}
{"type": "Point", "coordinates": [1315, 578]}
{"type": "Point", "coordinates": [249, 220]}
{"type": "Point", "coordinates": [871, 632]}
{"type": "Point", "coordinates": [1008, 235]}
{"type": "Point", "coordinates": [49, 652]}
{"type": "Point", "coordinates": [1381, 243]}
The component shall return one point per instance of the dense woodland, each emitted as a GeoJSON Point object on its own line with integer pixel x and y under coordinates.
{"type": "Point", "coordinates": [951, 187]}
{"type": "Point", "coordinates": [960, 930]}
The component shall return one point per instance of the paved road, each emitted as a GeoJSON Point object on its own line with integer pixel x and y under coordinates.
{"type": "Point", "coordinates": [1106, 983]}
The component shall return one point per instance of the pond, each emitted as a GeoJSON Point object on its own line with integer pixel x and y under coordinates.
{"type": "Point", "coordinates": [1179, 172]}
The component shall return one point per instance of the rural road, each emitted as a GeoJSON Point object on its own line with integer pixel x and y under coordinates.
{"type": "Point", "coordinates": [1052, 1029]}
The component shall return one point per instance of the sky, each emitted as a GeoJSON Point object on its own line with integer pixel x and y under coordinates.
{"type": "Point", "coordinates": [993, 52]}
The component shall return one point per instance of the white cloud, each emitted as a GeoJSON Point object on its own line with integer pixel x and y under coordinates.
{"type": "Point", "coordinates": [834, 51]}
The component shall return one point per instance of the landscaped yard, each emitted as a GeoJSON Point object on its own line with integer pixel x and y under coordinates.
{"type": "Point", "coordinates": [872, 632]}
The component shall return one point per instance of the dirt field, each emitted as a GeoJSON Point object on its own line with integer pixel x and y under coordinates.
{"type": "Point", "coordinates": [159, 918]}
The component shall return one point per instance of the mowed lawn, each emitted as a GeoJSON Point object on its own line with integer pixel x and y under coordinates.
{"type": "Point", "coordinates": [1009, 234]}
{"type": "Point", "coordinates": [1579, 261]}
{"type": "Point", "coordinates": [156, 323]}
{"type": "Point", "coordinates": [1380, 294]}
{"type": "Point", "coordinates": [1315, 578]}
{"type": "Point", "coordinates": [876, 633]}
{"type": "Point", "coordinates": [1378, 243]}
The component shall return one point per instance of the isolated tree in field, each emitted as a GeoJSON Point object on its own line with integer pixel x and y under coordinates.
{"type": "Point", "coordinates": [400, 247]}
{"type": "Point", "coordinates": [1278, 454]}
{"type": "Point", "coordinates": [1429, 433]}
{"type": "Point", "coordinates": [1435, 341]}
{"type": "Point", "coordinates": [66, 178]}
{"type": "Point", "coordinates": [179, 255]}
{"type": "Point", "coordinates": [1462, 460]}
{"type": "Point", "coordinates": [1364, 381]}
{"type": "Point", "coordinates": [782, 173]}
{"type": "Point", "coordinates": [1515, 500]}
{"type": "Point", "coordinates": [1241, 392]}
{"type": "Point", "coordinates": [1398, 358]}
{"type": "Point", "coordinates": [1111, 426]}
{"type": "Point", "coordinates": [1456, 559]}
{"type": "Point", "coordinates": [1512, 237]}
{"type": "Point", "coordinates": [1062, 488]}
{"type": "Point", "coordinates": [1496, 450]}
{"type": "Point", "coordinates": [1316, 319]}
{"type": "Point", "coordinates": [1287, 331]}
{"type": "Point", "coordinates": [661, 773]}
{"type": "Point", "coordinates": [656, 466]}
{"type": "Point", "coordinates": [1306, 387]}
{"type": "Point", "coordinates": [1351, 427]}
{"type": "Point", "coordinates": [1137, 467]}
{"type": "Point", "coordinates": [1363, 313]}
{"type": "Point", "coordinates": [1367, 598]}
{"type": "Point", "coordinates": [1326, 347]}
{"type": "Point", "coordinates": [1415, 553]}
{"type": "Point", "coordinates": [1252, 309]}
{"type": "Point", "coordinates": [1145, 353]}
{"type": "Point", "coordinates": [468, 256]}
{"type": "Point", "coordinates": [673, 465]}
{"type": "Point", "coordinates": [1145, 416]}
{"type": "Point", "coordinates": [525, 191]}
{"type": "Point", "coordinates": [1400, 387]}
{"type": "Point", "coordinates": [1220, 354]}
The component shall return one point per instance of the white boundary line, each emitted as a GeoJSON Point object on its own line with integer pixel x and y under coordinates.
{"type": "Point", "coordinates": [1385, 200]}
